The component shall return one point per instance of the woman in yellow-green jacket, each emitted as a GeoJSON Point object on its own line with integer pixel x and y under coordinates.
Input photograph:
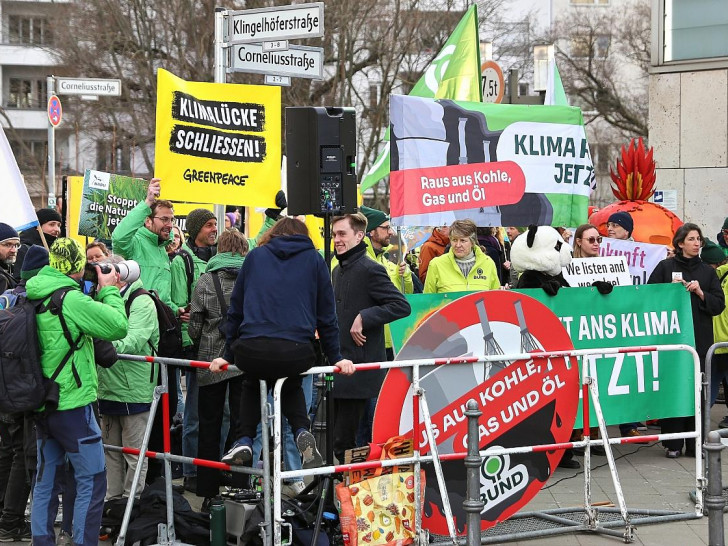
{"type": "Point", "coordinates": [465, 267]}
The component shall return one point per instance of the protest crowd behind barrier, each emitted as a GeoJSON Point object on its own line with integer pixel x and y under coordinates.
{"type": "Point", "coordinates": [471, 288]}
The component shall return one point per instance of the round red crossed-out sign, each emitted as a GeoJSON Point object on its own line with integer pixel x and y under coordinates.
{"type": "Point", "coordinates": [55, 110]}
{"type": "Point", "coordinates": [524, 403]}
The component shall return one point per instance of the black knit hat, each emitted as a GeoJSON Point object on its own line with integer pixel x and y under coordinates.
{"type": "Point", "coordinates": [195, 220]}
{"type": "Point", "coordinates": [7, 232]}
{"type": "Point", "coordinates": [623, 219]}
{"type": "Point", "coordinates": [47, 215]}
{"type": "Point", "coordinates": [35, 259]}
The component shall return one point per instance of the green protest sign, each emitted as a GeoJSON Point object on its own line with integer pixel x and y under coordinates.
{"type": "Point", "coordinates": [632, 386]}
{"type": "Point", "coordinates": [106, 200]}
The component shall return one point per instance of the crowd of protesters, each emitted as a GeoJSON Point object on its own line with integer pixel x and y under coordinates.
{"type": "Point", "coordinates": [271, 306]}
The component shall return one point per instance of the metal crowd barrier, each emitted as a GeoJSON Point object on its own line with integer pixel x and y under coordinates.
{"type": "Point", "coordinates": [421, 413]}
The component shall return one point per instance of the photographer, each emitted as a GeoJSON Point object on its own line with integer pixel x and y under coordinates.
{"type": "Point", "coordinates": [65, 335]}
{"type": "Point", "coordinates": [126, 389]}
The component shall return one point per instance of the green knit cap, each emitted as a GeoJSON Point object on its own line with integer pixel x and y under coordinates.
{"type": "Point", "coordinates": [67, 256]}
{"type": "Point", "coordinates": [375, 218]}
{"type": "Point", "coordinates": [712, 253]}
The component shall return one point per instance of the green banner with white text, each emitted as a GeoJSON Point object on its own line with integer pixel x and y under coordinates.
{"type": "Point", "coordinates": [632, 386]}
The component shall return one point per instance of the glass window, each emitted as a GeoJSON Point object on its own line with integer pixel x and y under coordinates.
{"type": "Point", "coordinates": [695, 29]}
{"type": "Point", "coordinates": [28, 30]}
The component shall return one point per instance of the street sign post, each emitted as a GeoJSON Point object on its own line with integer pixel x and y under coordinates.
{"type": "Point", "coordinates": [277, 23]}
{"type": "Point", "coordinates": [296, 61]}
{"type": "Point", "coordinates": [88, 86]}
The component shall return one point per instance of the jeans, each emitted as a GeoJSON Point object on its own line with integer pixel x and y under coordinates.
{"type": "Point", "coordinates": [291, 456]}
{"type": "Point", "coordinates": [718, 372]}
{"type": "Point", "coordinates": [74, 434]}
{"type": "Point", "coordinates": [190, 423]}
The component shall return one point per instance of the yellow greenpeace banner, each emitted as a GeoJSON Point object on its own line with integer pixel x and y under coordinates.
{"type": "Point", "coordinates": [218, 143]}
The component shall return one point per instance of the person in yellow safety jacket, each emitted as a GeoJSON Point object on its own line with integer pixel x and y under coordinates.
{"type": "Point", "coordinates": [465, 267]}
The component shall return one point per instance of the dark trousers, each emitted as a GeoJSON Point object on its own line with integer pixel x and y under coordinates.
{"type": "Point", "coordinates": [211, 406]}
{"type": "Point", "coordinates": [270, 359]}
{"type": "Point", "coordinates": [16, 469]}
{"type": "Point", "coordinates": [347, 415]}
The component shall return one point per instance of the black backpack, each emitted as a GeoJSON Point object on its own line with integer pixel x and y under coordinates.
{"type": "Point", "coordinates": [22, 384]}
{"type": "Point", "coordinates": [170, 331]}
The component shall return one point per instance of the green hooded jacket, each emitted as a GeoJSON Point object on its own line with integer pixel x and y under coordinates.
{"type": "Point", "coordinates": [135, 242]}
{"type": "Point", "coordinates": [103, 318]}
{"type": "Point", "coordinates": [180, 293]}
{"type": "Point", "coordinates": [128, 381]}
{"type": "Point", "coordinates": [720, 322]}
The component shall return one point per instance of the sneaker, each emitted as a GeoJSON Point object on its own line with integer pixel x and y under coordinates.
{"type": "Point", "coordinates": [65, 539]}
{"type": "Point", "coordinates": [190, 484]}
{"type": "Point", "coordinates": [293, 489]}
{"type": "Point", "coordinates": [641, 426]}
{"type": "Point", "coordinates": [672, 453]}
{"type": "Point", "coordinates": [653, 423]}
{"type": "Point", "coordinates": [569, 463]}
{"type": "Point", "coordinates": [306, 444]}
{"type": "Point", "coordinates": [21, 533]}
{"type": "Point", "coordinates": [240, 454]}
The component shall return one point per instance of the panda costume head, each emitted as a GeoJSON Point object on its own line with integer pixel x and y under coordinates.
{"type": "Point", "coordinates": [538, 255]}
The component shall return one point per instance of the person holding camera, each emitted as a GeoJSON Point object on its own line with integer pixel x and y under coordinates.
{"type": "Point", "coordinates": [126, 389]}
{"type": "Point", "coordinates": [67, 323]}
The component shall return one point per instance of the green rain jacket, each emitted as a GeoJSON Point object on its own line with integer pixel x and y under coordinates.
{"type": "Point", "coordinates": [128, 381]}
{"type": "Point", "coordinates": [444, 275]}
{"type": "Point", "coordinates": [135, 242]}
{"type": "Point", "coordinates": [103, 318]}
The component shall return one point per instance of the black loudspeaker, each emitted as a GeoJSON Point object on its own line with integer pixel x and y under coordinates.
{"type": "Point", "coordinates": [321, 160]}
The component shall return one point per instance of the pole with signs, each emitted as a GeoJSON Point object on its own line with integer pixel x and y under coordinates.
{"type": "Point", "coordinates": [220, 77]}
{"type": "Point", "coordinates": [50, 81]}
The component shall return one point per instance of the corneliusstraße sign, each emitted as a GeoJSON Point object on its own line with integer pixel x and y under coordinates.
{"type": "Point", "coordinates": [277, 23]}
{"type": "Point", "coordinates": [88, 86]}
{"type": "Point", "coordinates": [298, 61]}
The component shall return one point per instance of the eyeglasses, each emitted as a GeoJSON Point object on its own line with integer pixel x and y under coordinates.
{"type": "Point", "coordinates": [592, 240]}
{"type": "Point", "coordinates": [725, 232]}
{"type": "Point", "coordinates": [165, 219]}
{"type": "Point", "coordinates": [384, 227]}
{"type": "Point", "coordinates": [9, 244]}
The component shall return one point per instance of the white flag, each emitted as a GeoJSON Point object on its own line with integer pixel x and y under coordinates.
{"type": "Point", "coordinates": [16, 208]}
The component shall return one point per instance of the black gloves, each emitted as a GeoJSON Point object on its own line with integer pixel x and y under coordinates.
{"type": "Point", "coordinates": [603, 287]}
{"type": "Point", "coordinates": [281, 203]}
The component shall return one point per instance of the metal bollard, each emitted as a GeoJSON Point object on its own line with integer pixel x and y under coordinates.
{"type": "Point", "coordinates": [714, 501]}
{"type": "Point", "coordinates": [472, 504]}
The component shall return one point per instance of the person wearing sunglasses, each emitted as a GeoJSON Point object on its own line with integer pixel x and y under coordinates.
{"type": "Point", "coordinates": [586, 241]}
{"type": "Point", "coordinates": [9, 245]}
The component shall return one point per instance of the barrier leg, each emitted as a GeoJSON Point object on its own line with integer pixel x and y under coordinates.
{"type": "Point", "coordinates": [438, 469]}
{"type": "Point", "coordinates": [714, 501]}
{"type": "Point", "coordinates": [628, 527]}
{"type": "Point", "coordinates": [591, 514]}
{"type": "Point", "coordinates": [265, 448]}
{"type": "Point", "coordinates": [416, 428]}
{"type": "Point", "coordinates": [135, 482]}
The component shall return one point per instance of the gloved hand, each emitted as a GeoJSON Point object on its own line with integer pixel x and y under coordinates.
{"type": "Point", "coordinates": [603, 287]}
{"type": "Point", "coordinates": [281, 203]}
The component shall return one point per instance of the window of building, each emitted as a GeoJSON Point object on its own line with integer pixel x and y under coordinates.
{"type": "Point", "coordinates": [27, 93]}
{"type": "Point", "coordinates": [590, 2]}
{"type": "Point", "coordinates": [29, 153]}
{"type": "Point", "coordinates": [23, 29]}
{"type": "Point", "coordinates": [373, 96]}
{"type": "Point", "coordinates": [590, 46]}
{"type": "Point", "coordinates": [694, 29]}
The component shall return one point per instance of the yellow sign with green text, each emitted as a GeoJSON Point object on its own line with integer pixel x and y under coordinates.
{"type": "Point", "coordinates": [218, 143]}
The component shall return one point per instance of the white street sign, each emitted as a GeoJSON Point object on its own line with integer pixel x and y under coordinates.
{"type": "Point", "coordinates": [277, 23]}
{"type": "Point", "coordinates": [297, 61]}
{"type": "Point", "coordinates": [88, 86]}
{"type": "Point", "coordinates": [270, 79]}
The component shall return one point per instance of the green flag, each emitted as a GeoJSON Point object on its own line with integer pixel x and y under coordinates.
{"type": "Point", "coordinates": [453, 74]}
